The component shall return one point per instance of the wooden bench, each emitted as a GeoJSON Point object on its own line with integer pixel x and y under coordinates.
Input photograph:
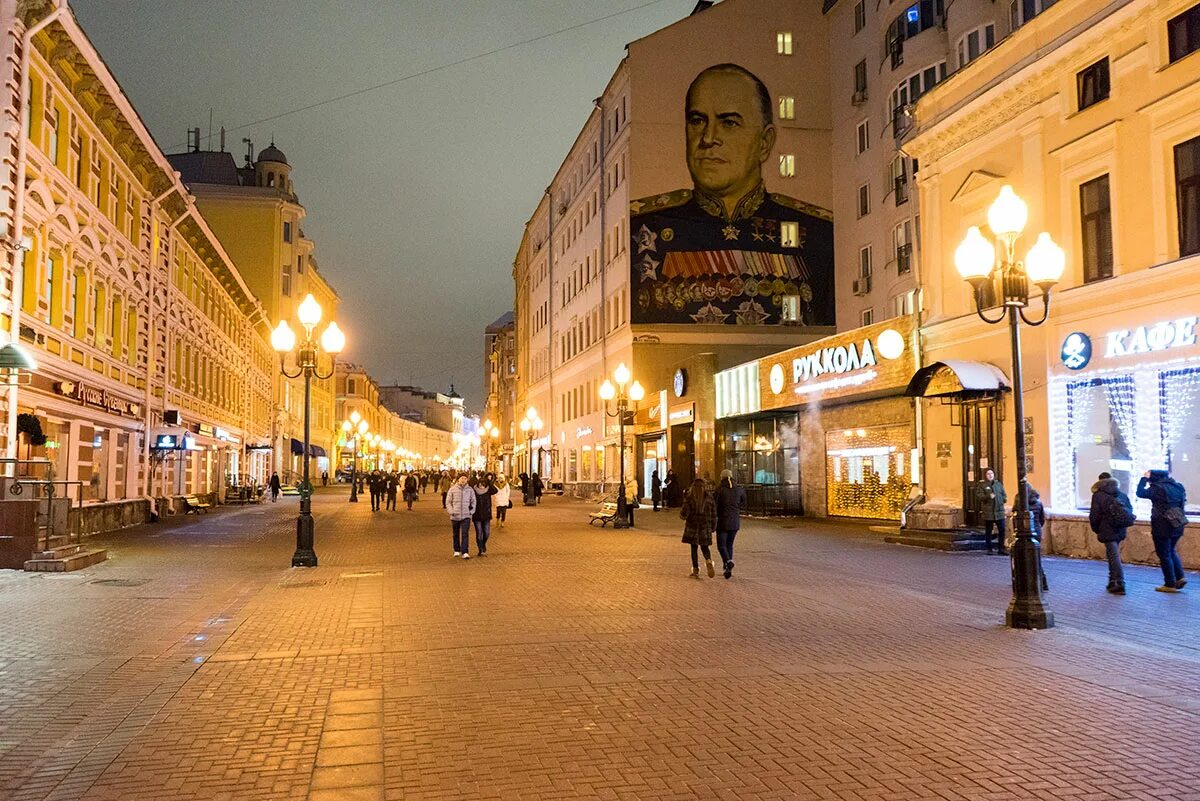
{"type": "Point", "coordinates": [606, 514]}
{"type": "Point", "coordinates": [193, 504]}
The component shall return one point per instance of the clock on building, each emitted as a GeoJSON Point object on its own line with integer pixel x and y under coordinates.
{"type": "Point", "coordinates": [679, 384]}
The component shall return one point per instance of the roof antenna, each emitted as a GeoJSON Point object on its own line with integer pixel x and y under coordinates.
{"type": "Point", "coordinates": [210, 116]}
{"type": "Point", "coordinates": [249, 152]}
{"type": "Point", "coordinates": [222, 138]}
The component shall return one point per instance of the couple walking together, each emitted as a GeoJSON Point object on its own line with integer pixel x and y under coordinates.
{"type": "Point", "coordinates": [704, 512]}
{"type": "Point", "coordinates": [469, 501]}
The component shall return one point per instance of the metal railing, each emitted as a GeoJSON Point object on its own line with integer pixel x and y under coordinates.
{"type": "Point", "coordinates": [42, 488]}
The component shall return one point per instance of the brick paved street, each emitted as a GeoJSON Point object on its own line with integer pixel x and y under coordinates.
{"type": "Point", "coordinates": [581, 663]}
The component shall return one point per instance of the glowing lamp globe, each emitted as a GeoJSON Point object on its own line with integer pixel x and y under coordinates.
{"type": "Point", "coordinates": [346, 426]}
{"type": "Point", "coordinates": [975, 256]}
{"type": "Point", "coordinates": [607, 390]}
{"type": "Point", "coordinates": [1008, 213]}
{"type": "Point", "coordinates": [355, 417]}
{"type": "Point", "coordinates": [333, 340]}
{"type": "Point", "coordinates": [309, 311]}
{"type": "Point", "coordinates": [283, 338]}
{"type": "Point", "coordinates": [621, 374]}
{"type": "Point", "coordinates": [1046, 261]}
{"type": "Point", "coordinates": [363, 425]}
{"type": "Point", "coordinates": [636, 392]}
{"type": "Point", "coordinates": [525, 424]}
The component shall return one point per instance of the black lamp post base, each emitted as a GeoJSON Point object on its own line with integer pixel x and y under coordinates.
{"type": "Point", "coordinates": [304, 556]}
{"type": "Point", "coordinates": [353, 497]}
{"type": "Point", "coordinates": [1027, 610]}
{"type": "Point", "coordinates": [1028, 614]}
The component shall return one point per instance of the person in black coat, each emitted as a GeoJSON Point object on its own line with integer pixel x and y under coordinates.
{"type": "Point", "coordinates": [672, 490]}
{"type": "Point", "coordinates": [1168, 499]}
{"type": "Point", "coordinates": [535, 481]}
{"type": "Point", "coordinates": [391, 483]}
{"type": "Point", "coordinates": [410, 490]}
{"type": "Point", "coordinates": [484, 489]}
{"type": "Point", "coordinates": [731, 499]}
{"type": "Point", "coordinates": [1110, 517]}
{"type": "Point", "coordinates": [656, 490]}
{"type": "Point", "coordinates": [275, 487]}
{"type": "Point", "coordinates": [1037, 512]}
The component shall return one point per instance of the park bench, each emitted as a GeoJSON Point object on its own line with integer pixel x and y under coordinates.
{"type": "Point", "coordinates": [606, 513]}
{"type": "Point", "coordinates": [193, 505]}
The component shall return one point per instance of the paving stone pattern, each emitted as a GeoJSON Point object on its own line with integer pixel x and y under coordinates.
{"type": "Point", "coordinates": [580, 663]}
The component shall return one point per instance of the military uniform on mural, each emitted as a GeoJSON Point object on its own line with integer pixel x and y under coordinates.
{"type": "Point", "coordinates": [693, 263]}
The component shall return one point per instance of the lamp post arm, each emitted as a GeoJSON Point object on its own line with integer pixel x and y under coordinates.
{"type": "Point", "coordinates": [984, 317]}
{"type": "Point", "coordinates": [283, 369]}
{"type": "Point", "coordinates": [1045, 310]}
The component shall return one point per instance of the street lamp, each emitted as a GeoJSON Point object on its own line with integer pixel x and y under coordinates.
{"type": "Point", "coordinates": [623, 396]}
{"type": "Point", "coordinates": [531, 424]}
{"type": "Point", "coordinates": [491, 441]}
{"type": "Point", "coordinates": [389, 447]}
{"type": "Point", "coordinates": [354, 428]}
{"type": "Point", "coordinates": [283, 340]}
{"type": "Point", "coordinates": [976, 262]}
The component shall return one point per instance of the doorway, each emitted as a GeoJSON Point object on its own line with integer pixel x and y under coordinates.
{"type": "Point", "coordinates": [982, 450]}
{"type": "Point", "coordinates": [683, 454]}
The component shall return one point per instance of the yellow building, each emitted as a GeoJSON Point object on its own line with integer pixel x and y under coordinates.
{"type": "Point", "coordinates": [257, 215]}
{"type": "Point", "coordinates": [1088, 111]}
{"type": "Point", "coordinates": [134, 312]}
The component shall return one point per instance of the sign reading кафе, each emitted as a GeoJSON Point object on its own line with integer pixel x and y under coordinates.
{"type": "Point", "coordinates": [875, 359]}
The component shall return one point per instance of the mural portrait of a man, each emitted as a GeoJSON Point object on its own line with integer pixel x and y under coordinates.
{"type": "Point", "coordinates": [727, 251]}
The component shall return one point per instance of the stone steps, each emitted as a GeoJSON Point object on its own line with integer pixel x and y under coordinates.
{"type": "Point", "coordinates": [953, 540]}
{"type": "Point", "coordinates": [77, 560]}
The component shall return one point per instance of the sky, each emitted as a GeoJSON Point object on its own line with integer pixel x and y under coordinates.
{"type": "Point", "coordinates": [416, 193]}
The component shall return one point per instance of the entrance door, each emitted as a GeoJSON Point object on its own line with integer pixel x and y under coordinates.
{"type": "Point", "coordinates": [683, 455]}
{"type": "Point", "coordinates": [653, 457]}
{"type": "Point", "coordinates": [981, 446]}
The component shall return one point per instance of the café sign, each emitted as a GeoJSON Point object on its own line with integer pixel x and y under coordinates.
{"type": "Point", "coordinates": [1149, 338]}
{"type": "Point", "coordinates": [102, 398]}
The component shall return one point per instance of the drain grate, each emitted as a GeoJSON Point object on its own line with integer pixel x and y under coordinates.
{"type": "Point", "coordinates": [121, 582]}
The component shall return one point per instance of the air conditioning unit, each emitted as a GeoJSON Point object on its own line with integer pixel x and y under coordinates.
{"type": "Point", "coordinates": [172, 417]}
{"type": "Point", "coordinates": [862, 285]}
{"type": "Point", "coordinates": [859, 97]}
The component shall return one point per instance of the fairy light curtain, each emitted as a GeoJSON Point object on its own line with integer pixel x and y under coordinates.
{"type": "Point", "coordinates": [1122, 406]}
{"type": "Point", "coordinates": [1177, 394]}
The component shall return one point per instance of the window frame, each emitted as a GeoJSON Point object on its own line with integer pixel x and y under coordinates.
{"type": "Point", "coordinates": [863, 200]}
{"type": "Point", "coordinates": [1188, 22]}
{"type": "Point", "coordinates": [1097, 77]}
{"type": "Point", "coordinates": [1191, 186]}
{"type": "Point", "coordinates": [862, 137]}
{"type": "Point", "coordinates": [1093, 268]}
{"type": "Point", "coordinates": [784, 43]}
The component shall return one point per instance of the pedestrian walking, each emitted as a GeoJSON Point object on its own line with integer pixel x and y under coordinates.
{"type": "Point", "coordinates": [460, 505]}
{"type": "Point", "coordinates": [672, 491]}
{"type": "Point", "coordinates": [655, 490]}
{"type": "Point", "coordinates": [631, 498]}
{"type": "Point", "coordinates": [324, 478]}
{"type": "Point", "coordinates": [375, 485]}
{"type": "Point", "coordinates": [992, 498]}
{"type": "Point", "coordinates": [1110, 517]}
{"type": "Point", "coordinates": [423, 481]}
{"type": "Point", "coordinates": [535, 481]}
{"type": "Point", "coordinates": [391, 484]}
{"type": "Point", "coordinates": [1167, 520]}
{"type": "Point", "coordinates": [410, 490]}
{"type": "Point", "coordinates": [485, 490]}
{"type": "Point", "coordinates": [699, 515]}
{"type": "Point", "coordinates": [503, 498]}
{"type": "Point", "coordinates": [276, 487]}
{"type": "Point", "coordinates": [444, 487]}
{"type": "Point", "coordinates": [1037, 513]}
{"type": "Point", "coordinates": [731, 500]}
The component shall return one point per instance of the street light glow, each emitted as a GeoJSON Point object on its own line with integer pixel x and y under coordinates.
{"type": "Point", "coordinates": [1046, 261]}
{"type": "Point", "coordinates": [1008, 213]}
{"type": "Point", "coordinates": [333, 340]}
{"type": "Point", "coordinates": [975, 257]}
{"type": "Point", "coordinates": [309, 312]}
{"type": "Point", "coordinates": [283, 338]}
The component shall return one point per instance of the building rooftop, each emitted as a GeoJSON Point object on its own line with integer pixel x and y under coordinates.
{"type": "Point", "coordinates": [208, 167]}
{"type": "Point", "coordinates": [506, 320]}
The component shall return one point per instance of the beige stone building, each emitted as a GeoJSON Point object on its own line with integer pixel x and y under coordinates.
{"type": "Point", "coordinates": [1088, 111]}
{"type": "Point", "coordinates": [412, 443]}
{"type": "Point", "coordinates": [680, 300]}
{"type": "Point", "coordinates": [138, 319]}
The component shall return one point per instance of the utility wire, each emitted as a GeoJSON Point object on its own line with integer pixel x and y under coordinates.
{"type": "Point", "coordinates": [431, 70]}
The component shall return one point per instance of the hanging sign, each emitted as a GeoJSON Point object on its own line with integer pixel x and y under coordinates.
{"type": "Point", "coordinates": [94, 396]}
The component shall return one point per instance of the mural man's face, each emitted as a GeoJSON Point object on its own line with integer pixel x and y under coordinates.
{"type": "Point", "coordinates": [726, 139]}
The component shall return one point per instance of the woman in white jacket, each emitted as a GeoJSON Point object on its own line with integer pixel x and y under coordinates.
{"type": "Point", "coordinates": [503, 496]}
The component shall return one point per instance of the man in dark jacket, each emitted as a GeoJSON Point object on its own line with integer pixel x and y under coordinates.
{"type": "Point", "coordinates": [731, 499]}
{"type": "Point", "coordinates": [391, 483]}
{"type": "Point", "coordinates": [1167, 520]}
{"type": "Point", "coordinates": [656, 490]}
{"type": "Point", "coordinates": [992, 498]}
{"type": "Point", "coordinates": [1110, 516]}
{"type": "Point", "coordinates": [410, 490]}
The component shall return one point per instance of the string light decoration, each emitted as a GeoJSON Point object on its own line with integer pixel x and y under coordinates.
{"type": "Point", "coordinates": [867, 471]}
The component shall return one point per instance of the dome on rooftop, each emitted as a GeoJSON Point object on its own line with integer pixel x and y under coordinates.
{"type": "Point", "coordinates": [272, 153]}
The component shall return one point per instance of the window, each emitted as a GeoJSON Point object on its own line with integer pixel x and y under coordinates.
{"type": "Point", "coordinates": [789, 236]}
{"type": "Point", "coordinates": [864, 136]}
{"type": "Point", "coordinates": [866, 316]}
{"type": "Point", "coordinates": [864, 200]}
{"type": "Point", "coordinates": [1095, 224]}
{"type": "Point", "coordinates": [860, 15]}
{"type": "Point", "coordinates": [902, 247]}
{"type": "Point", "coordinates": [351, 389]}
{"type": "Point", "coordinates": [783, 43]}
{"type": "Point", "coordinates": [899, 176]}
{"type": "Point", "coordinates": [299, 265]}
{"type": "Point", "coordinates": [56, 123]}
{"type": "Point", "coordinates": [1187, 195]}
{"type": "Point", "coordinates": [1021, 11]}
{"type": "Point", "coordinates": [903, 303]}
{"type": "Point", "coordinates": [1101, 417]}
{"type": "Point", "coordinates": [860, 79]}
{"type": "Point", "coordinates": [975, 43]}
{"type": "Point", "coordinates": [1183, 33]}
{"type": "Point", "coordinates": [911, 88]}
{"type": "Point", "coordinates": [287, 231]}
{"type": "Point", "coordinates": [1092, 84]}
{"type": "Point", "coordinates": [916, 18]}
{"type": "Point", "coordinates": [787, 108]}
{"type": "Point", "coordinates": [787, 165]}
{"type": "Point", "coordinates": [864, 262]}
{"type": "Point", "coordinates": [286, 281]}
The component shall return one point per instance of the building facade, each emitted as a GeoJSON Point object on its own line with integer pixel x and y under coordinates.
{"type": "Point", "coordinates": [500, 383]}
{"type": "Point", "coordinates": [620, 263]}
{"type": "Point", "coordinates": [255, 211]}
{"type": "Point", "coordinates": [391, 440]}
{"type": "Point", "coordinates": [134, 311]}
{"type": "Point", "coordinates": [1088, 111]}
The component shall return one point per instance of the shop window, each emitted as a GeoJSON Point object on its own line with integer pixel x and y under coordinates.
{"type": "Point", "coordinates": [1101, 418]}
{"type": "Point", "coordinates": [572, 465]}
{"type": "Point", "coordinates": [1092, 84]}
{"type": "Point", "coordinates": [1179, 410]}
{"type": "Point", "coordinates": [867, 471]}
{"type": "Point", "coordinates": [1187, 195]}
{"type": "Point", "coordinates": [1183, 33]}
{"type": "Point", "coordinates": [1095, 224]}
{"type": "Point", "coordinates": [763, 454]}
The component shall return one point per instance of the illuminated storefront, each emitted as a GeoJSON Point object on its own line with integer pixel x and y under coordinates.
{"type": "Point", "coordinates": [1125, 398]}
{"type": "Point", "coordinates": [824, 428]}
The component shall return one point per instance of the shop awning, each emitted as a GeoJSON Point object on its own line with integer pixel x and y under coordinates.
{"type": "Point", "coordinates": [297, 447]}
{"type": "Point", "coordinates": [317, 451]}
{"type": "Point", "coordinates": [957, 377]}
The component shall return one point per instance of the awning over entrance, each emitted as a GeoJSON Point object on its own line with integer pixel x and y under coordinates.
{"type": "Point", "coordinates": [956, 377]}
{"type": "Point", "coordinates": [317, 451]}
{"type": "Point", "coordinates": [313, 450]}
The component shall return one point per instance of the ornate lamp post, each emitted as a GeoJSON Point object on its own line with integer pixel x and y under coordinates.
{"type": "Point", "coordinates": [976, 262]}
{"type": "Point", "coordinates": [491, 441]}
{"type": "Point", "coordinates": [389, 447]}
{"type": "Point", "coordinates": [531, 424]}
{"type": "Point", "coordinates": [355, 428]}
{"type": "Point", "coordinates": [283, 340]}
{"type": "Point", "coordinates": [623, 396]}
